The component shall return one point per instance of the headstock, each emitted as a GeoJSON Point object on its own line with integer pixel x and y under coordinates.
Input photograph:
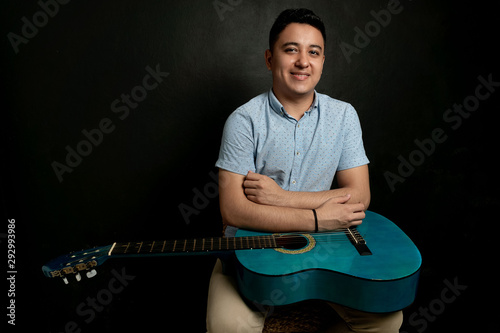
{"type": "Point", "coordinates": [76, 262]}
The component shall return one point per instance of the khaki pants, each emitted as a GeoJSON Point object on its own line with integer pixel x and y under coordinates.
{"type": "Point", "coordinates": [228, 312]}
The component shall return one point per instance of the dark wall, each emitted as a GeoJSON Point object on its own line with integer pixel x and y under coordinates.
{"type": "Point", "coordinates": [75, 81]}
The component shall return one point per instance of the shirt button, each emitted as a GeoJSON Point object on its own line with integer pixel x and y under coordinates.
{"type": "Point", "coordinates": [293, 181]}
{"type": "Point", "coordinates": [298, 153]}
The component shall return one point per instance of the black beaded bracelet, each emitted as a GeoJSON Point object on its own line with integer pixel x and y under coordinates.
{"type": "Point", "coordinates": [315, 221]}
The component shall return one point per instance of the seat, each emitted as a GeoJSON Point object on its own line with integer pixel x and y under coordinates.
{"type": "Point", "coordinates": [304, 317]}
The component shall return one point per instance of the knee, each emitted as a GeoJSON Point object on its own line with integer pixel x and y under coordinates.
{"type": "Point", "coordinates": [248, 323]}
{"type": "Point", "coordinates": [375, 323]}
{"type": "Point", "coordinates": [389, 322]}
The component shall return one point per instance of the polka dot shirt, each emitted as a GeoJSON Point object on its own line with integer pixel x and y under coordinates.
{"type": "Point", "coordinates": [300, 155]}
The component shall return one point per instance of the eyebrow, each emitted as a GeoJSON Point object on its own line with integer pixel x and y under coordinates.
{"type": "Point", "coordinates": [297, 44]}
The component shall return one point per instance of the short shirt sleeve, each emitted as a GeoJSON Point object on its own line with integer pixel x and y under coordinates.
{"type": "Point", "coordinates": [237, 147]}
{"type": "Point", "coordinates": [353, 152]}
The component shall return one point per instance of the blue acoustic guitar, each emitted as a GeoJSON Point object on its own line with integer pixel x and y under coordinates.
{"type": "Point", "coordinates": [373, 267]}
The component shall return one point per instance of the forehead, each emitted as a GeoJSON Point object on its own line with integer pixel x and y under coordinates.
{"type": "Point", "coordinates": [300, 33]}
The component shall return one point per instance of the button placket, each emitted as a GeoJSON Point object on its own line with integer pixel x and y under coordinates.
{"type": "Point", "coordinates": [297, 159]}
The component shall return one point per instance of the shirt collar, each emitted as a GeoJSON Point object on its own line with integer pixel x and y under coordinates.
{"type": "Point", "coordinates": [279, 109]}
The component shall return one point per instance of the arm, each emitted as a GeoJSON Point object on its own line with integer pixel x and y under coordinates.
{"type": "Point", "coordinates": [239, 211]}
{"type": "Point", "coordinates": [355, 182]}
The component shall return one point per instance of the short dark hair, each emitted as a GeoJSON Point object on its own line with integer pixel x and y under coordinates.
{"type": "Point", "coordinates": [299, 15]}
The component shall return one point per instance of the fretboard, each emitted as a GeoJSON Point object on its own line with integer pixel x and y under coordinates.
{"type": "Point", "coordinates": [194, 245]}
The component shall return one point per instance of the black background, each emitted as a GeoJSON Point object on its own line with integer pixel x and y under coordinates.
{"type": "Point", "coordinates": [130, 187]}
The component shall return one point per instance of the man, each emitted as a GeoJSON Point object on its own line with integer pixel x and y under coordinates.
{"type": "Point", "coordinates": [278, 157]}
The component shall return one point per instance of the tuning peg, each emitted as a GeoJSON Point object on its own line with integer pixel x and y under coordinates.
{"type": "Point", "coordinates": [91, 274]}
{"type": "Point", "coordinates": [65, 280]}
{"type": "Point", "coordinates": [78, 277]}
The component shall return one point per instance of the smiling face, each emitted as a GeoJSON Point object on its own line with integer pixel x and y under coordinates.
{"type": "Point", "coordinates": [296, 61]}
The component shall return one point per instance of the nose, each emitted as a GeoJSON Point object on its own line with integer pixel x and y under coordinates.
{"type": "Point", "coordinates": [302, 60]}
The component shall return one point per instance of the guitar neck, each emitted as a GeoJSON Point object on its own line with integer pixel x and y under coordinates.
{"type": "Point", "coordinates": [193, 246]}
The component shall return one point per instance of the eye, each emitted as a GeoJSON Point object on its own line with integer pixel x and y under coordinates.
{"type": "Point", "coordinates": [313, 52]}
{"type": "Point", "coordinates": [290, 50]}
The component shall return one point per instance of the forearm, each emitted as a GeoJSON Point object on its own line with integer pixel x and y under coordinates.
{"type": "Point", "coordinates": [333, 214]}
{"type": "Point", "coordinates": [312, 200]}
{"type": "Point", "coordinates": [353, 182]}
{"type": "Point", "coordinates": [249, 215]}
{"type": "Point", "coordinates": [239, 211]}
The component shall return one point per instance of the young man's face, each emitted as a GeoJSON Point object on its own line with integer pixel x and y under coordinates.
{"type": "Point", "coordinates": [296, 60]}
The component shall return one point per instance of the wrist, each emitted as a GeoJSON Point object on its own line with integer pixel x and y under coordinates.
{"type": "Point", "coordinates": [283, 198]}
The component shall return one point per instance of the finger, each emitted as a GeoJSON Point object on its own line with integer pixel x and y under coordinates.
{"type": "Point", "coordinates": [359, 207]}
{"type": "Point", "coordinates": [252, 184]}
{"type": "Point", "coordinates": [355, 223]}
{"type": "Point", "coordinates": [252, 198]}
{"type": "Point", "coordinates": [252, 176]}
{"type": "Point", "coordinates": [250, 191]}
{"type": "Point", "coordinates": [359, 216]}
{"type": "Point", "coordinates": [248, 184]}
{"type": "Point", "coordinates": [342, 199]}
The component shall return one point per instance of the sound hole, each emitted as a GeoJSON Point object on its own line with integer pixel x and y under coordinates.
{"type": "Point", "coordinates": [292, 242]}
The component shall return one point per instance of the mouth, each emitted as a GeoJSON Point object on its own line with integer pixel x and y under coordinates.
{"type": "Point", "coordinates": [300, 76]}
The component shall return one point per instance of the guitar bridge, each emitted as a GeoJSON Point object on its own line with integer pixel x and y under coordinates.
{"type": "Point", "coordinates": [358, 241]}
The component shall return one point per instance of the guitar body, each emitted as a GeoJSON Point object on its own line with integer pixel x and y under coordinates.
{"type": "Point", "coordinates": [327, 266]}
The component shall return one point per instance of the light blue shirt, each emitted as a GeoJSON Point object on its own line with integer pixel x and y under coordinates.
{"type": "Point", "coordinates": [260, 136]}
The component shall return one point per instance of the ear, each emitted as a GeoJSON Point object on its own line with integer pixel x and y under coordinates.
{"type": "Point", "coordinates": [269, 58]}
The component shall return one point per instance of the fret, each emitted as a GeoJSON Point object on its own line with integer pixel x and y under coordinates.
{"type": "Point", "coordinates": [274, 242]}
{"type": "Point", "coordinates": [126, 248]}
{"type": "Point", "coordinates": [157, 247]}
{"type": "Point", "coordinates": [203, 244]}
{"type": "Point", "coordinates": [253, 241]}
{"type": "Point", "coordinates": [258, 239]}
{"type": "Point", "coordinates": [241, 242]}
{"type": "Point", "coordinates": [211, 243]}
{"type": "Point", "coordinates": [140, 246]}
{"type": "Point", "coordinates": [175, 243]}
{"type": "Point", "coordinates": [184, 248]}
{"type": "Point", "coordinates": [163, 247]}
{"type": "Point", "coordinates": [234, 243]}
{"type": "Point", "coordinates": [112, 248]}
{"type": "Point", "coordinates": [194, 245]}
{"type": "Point", "coordinates": [248, 244]}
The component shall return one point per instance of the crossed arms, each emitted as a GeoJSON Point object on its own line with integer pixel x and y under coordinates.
{"type": "Point", "coordinates": [256, 202]}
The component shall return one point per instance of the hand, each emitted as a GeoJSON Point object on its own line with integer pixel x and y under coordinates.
{"type": "Point", "coordinates": [263, 190]}
{"type": "Point", "coordinates": [335, 213]}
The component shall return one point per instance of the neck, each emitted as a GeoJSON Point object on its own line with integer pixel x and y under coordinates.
{"type": "Point", "coordinates": [295, 105]}
{"type": "Point", "coordinates": [194, 245]}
